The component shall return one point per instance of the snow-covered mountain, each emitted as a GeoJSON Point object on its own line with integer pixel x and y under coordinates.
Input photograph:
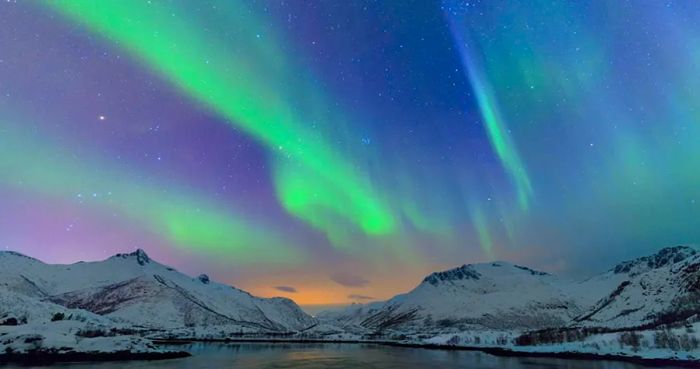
{"type": "Point", "coordinates": [496, 295]}
{"type": "Point", "coordinates": [654, 289]}
{"type": "Point", "coordinates": [36, 330]}
{"type": "Point", "coordinates": [502, 296]}
{"type": "Point", "coordinates": [132, 291]}
{"type": "Point", "coordinates": [135, 290]}
{"type": "Point", "coordinates": [113, 308]}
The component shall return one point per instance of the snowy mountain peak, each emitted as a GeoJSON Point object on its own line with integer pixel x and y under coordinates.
{"type": "Point", "coordinates": [15, 253]}
{"type": "Point", "coordinates": [659, 289]}
{"type": "Point", "coordinates": [530, 270]}
{"type": "Point", "coordinates": [479, 271]}
{"type": "Point", "coordinates": [203, 278]}
{"type": "Point", "coordinates": [133, 288]}
{"type": "Point", "coordinates": [665, 257]}
{"type": "Point", "coordinates": [493, 295]}
{"type": "Point", "coordinates": [464, 272]}
{"type": "Point", "coordinates": [140, 255]}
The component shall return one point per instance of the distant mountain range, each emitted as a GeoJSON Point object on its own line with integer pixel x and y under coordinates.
{"type": "Point", "coordinates": [645, 292]}
{"type": "Point", "coordinates": [111, 305]}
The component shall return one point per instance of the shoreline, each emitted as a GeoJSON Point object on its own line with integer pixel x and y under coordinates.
{"type": "Point", "coordinates": [49, 357]}
{"type": "Point", "coordinates": [496, 351]}
{"type": "Point", "coordinates": [43, 357]}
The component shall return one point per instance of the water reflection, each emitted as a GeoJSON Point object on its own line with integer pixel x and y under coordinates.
{"type": "Point", "coordinates": [340, 356]}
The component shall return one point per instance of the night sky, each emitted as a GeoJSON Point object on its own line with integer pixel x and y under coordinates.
{"type": "Point", "coordinates": [338, 151]}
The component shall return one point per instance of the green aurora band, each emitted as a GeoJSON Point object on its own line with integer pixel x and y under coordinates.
{"type": "Point", "coordinates": [313, 181]}
{"type": "Point", "coordinates": [184, 218]}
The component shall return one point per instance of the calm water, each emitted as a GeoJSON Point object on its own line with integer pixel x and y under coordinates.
{"type": "Point", "coordinates": [341, 356]}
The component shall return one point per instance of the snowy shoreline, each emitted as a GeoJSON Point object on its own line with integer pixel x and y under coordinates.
{"type": "Point", "coordinates": [492, 350]}
{"type": "Point", "coordinates": [63, 341]}
{"type": "Point", "coordinates": [48, 357]}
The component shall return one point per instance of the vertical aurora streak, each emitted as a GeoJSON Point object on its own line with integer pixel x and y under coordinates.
{"type": "Point", "coordinates": [497, 130]}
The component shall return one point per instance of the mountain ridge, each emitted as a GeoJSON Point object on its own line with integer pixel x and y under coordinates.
{"type": "Point", "coordinates": [501, 295]}
{"type": "Point", "coordinates": [133, 288]}
{"type": "Point", "coordinates": [128, 299]}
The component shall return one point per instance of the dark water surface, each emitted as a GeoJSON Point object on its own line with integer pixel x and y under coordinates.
{"type": "Point", "coordinates": [340, 356]}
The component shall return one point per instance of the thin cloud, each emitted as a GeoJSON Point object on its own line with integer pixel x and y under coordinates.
{"type": "Point", "coordinates": [286, 289]}
{"type": "Point", "coordinates": [349, 280]}
{"type": "Point", "coordinates": [360, 297]}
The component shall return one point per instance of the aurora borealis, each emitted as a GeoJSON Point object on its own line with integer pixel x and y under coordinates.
{"type": "Point", "coordinates": [338, 151]}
